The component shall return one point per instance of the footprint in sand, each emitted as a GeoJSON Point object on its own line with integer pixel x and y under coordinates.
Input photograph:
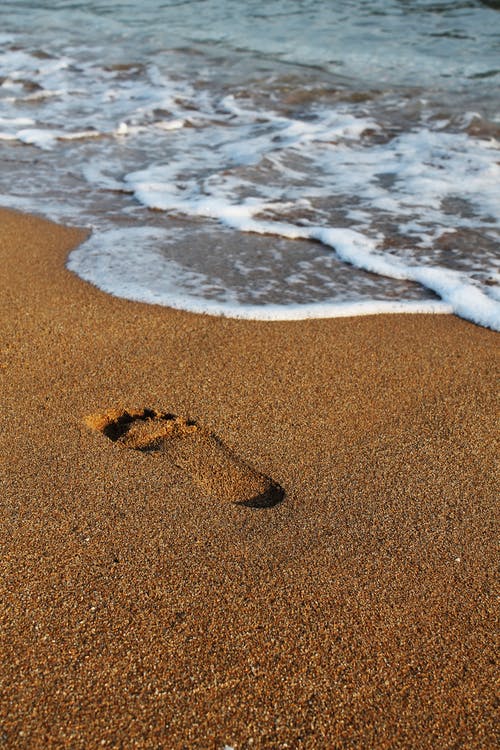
{"type": "Point", "coordinates": [214, 467]}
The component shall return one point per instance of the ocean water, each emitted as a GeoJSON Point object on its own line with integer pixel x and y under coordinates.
{"type": "Point", "coordinates": [269, 160]}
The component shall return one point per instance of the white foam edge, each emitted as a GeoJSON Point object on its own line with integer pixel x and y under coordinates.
{"type": "Point", "coordinates": [456, 291]}
{"type": "Point", "coordinates": [81, 261]}
{"type": "Point", "coordinates": [270, 312]}
{"type": "Point", "coordinates": [46, 139]}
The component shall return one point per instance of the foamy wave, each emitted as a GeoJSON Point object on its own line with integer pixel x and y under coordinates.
{"type": "Point", "coordinates": [113, 140]}
{"type": "Point", "coordinates": [146, 276]}
{"type": "Point", "coordinates": [420, 184]}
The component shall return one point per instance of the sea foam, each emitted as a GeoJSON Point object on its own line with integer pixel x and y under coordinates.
{"type": "Point", "coordinates": [282, 195]}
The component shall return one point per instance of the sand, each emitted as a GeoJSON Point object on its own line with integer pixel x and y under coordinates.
{"type": "Point", "coordinates": [140, 609]}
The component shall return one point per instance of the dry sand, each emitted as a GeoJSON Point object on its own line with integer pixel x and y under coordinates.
{"type": "Point", "coordinates": [138, 610]}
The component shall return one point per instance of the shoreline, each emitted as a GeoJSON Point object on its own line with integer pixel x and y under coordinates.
{"type": "Point", "coordinates": [140, 612]}
{"type": "Point", "coordinates": [283, 312]}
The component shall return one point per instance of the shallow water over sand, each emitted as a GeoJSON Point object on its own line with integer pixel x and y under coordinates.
{"type": "Point", "coordinates": [293, 161]}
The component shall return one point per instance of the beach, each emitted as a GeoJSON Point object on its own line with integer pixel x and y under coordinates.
{"type": "Point", "coordinates": [139, 611]}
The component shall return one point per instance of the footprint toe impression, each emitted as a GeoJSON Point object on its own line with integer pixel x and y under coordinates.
{"type": "Point", "coordinates": [218, 471]}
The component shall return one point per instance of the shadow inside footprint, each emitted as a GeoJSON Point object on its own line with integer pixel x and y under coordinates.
{"type": "Point", "coordinates": [213, 466]}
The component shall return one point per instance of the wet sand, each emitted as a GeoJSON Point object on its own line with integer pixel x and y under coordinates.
{"type": "Point", "coordinates": [143, 609]}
